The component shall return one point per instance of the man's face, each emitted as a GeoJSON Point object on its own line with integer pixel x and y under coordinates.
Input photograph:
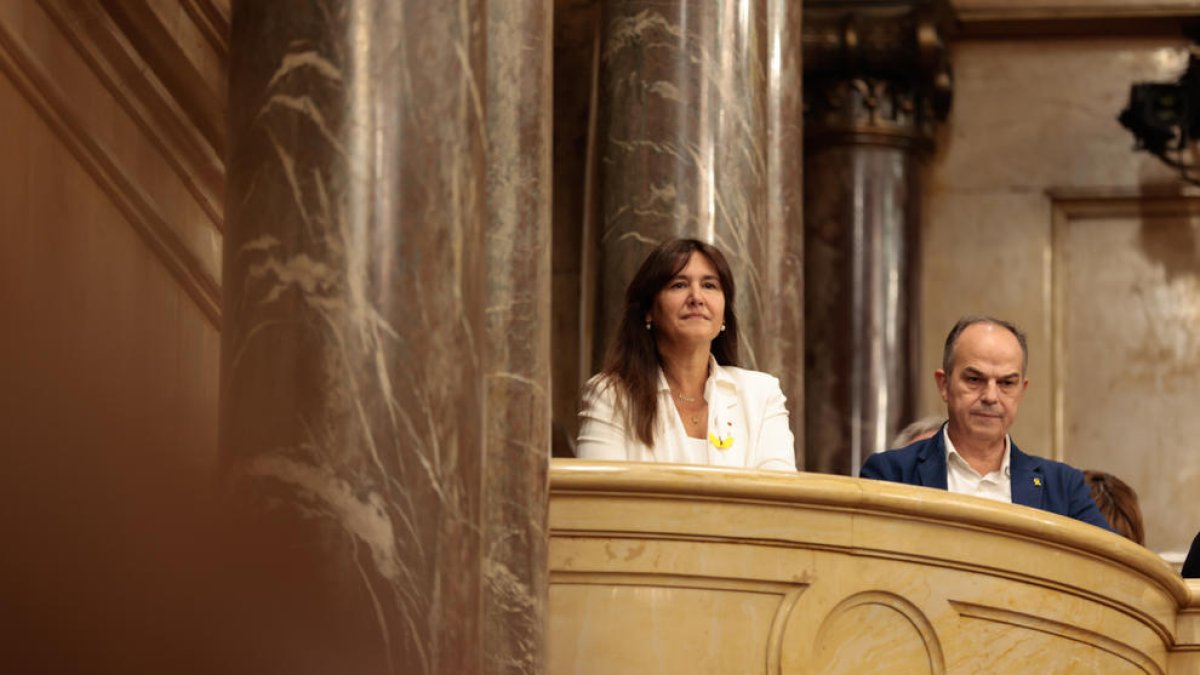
{"type": "Point", "coordinates": [985, 385]}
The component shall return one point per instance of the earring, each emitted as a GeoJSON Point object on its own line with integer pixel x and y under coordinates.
{"type": "Point", "coordinates": [648, 326]}
{"type": "Point", "coordinates": [722, 328]}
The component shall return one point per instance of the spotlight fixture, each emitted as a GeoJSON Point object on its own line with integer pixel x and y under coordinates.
{"type": "Point", "coordinates": [1165, 120]}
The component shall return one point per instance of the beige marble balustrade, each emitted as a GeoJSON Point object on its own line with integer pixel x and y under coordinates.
{"type": "Point", "coordinates": [674, 569]}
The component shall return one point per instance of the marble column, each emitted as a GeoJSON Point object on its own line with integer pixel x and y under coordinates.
{"type": "Point", "coordinates": [385, 368]}
{"type": "Point", "coordinates": [700, 136]}
{"type": "Point", "coordinates": [518, 325]}
{"type": "Point", "coordinates": [877, 80]}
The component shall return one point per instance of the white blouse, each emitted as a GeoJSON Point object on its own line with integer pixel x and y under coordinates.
{"type": "Point", "coordinates": [747, 424]}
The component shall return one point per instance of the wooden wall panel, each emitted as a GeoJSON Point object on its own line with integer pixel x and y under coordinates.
{"type": "Point", "coordinates": [116, 60]}
{"type": "Point", "coordinates": [102, 351]}
{"type": "Point", "coordinates": [111, 217]}
{"type": "Point", "coordinates": [110, 238]}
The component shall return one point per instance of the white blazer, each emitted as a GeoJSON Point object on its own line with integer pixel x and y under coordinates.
{"type": "Point", "coordinates": [747, 424]}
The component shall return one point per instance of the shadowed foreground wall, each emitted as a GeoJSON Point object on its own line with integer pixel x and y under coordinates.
{"type": "Point", "coordinates": [111, 229]}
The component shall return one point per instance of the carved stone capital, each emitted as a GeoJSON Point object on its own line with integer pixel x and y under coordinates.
{"type": "Point", "coordinates": [870, 111]}
{"type": "Point", "coordinates": [876, 72]}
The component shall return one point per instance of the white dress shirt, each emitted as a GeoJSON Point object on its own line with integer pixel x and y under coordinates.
{"type": "Point", "coordinates": [963, 479]}
{"type": "Point", "coordinates": [747, 424]}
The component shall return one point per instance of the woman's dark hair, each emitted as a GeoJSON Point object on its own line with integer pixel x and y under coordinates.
{"type": "Point", "coordinates": [633, 361]}
{"type": "Point", "coordinates": [1119, 504]}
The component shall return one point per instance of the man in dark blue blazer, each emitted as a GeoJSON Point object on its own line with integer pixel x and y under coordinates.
{"type": "Point", "coordinates": [982, 380]}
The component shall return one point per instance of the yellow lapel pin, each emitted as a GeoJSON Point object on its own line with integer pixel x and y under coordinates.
{"type": "Point", "coordinates": [720, 443]}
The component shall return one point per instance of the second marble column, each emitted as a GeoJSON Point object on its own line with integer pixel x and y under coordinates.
{"type": "Point", "coordinates": [700, 136]}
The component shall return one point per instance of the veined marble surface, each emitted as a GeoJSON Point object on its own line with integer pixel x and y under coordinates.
{"type": "Point", "coordinates": [694, 569]}
{"type": "Point", "coordinates": [385, 359]}
{"type": "Point", "coordinates": [699, 135]}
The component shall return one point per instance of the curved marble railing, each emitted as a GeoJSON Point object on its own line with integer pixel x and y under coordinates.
{"type": "Point", "coordinates": [675, 569]}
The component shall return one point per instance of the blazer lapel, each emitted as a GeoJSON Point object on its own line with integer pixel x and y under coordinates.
{"type": "Point", "coordinates": [931, 462]}
{"type": "Point", "coordinates": [1028, 479]}
{"type": "Point", "coordinates": [721, 392]}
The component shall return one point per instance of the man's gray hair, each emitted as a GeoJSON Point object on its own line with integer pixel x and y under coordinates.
{"type": "Point", "coordinates": [965, 322]}
{"type": "Point", "coordinates": [917, 429]}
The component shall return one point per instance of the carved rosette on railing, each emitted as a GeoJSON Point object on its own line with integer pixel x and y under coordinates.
{"type": "Point", "coordinates": [876, 72]}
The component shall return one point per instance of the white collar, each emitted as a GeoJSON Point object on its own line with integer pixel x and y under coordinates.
{"type": "Point", "coordinates": [952, 452]}
{"type": "Point", "coordinates": [716, 376]}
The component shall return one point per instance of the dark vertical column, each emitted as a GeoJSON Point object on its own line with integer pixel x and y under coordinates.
{"type": "Point", "coordinates": [576, 38]}
{"type": "Point", "coordinates": [699, 136]}
{"type": "Point", "coordinates": [861, 299]}
{"type": "Point", "coordinates": [384, 366]}
{"type": "Point", "coordinates": [876, 81]}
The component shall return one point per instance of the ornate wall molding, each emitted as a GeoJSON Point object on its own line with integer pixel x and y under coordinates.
{"type": "Point", "coordinates": [169, 62]}
{"type": "Point", "coordinates": [51, 104]}
{"type": "Point", "coordinates": [871, 110]}
{"type": "Point", "coordinates": [877, 72]}
{"type": "Point", "coordinates": [212, 19]}
{"type": "Point", "coordinates": [1071, 208]}
{"type": "Point", "coordinates": [156, 109]}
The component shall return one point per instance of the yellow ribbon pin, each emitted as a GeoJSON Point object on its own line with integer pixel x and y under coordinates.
{"type": "Point", "coordinates": [720, 444]}
{"type": "Point", "coordinates": [1037, 481]}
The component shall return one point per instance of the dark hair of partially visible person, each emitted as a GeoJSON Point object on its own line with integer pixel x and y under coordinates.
{"type": "Point", "coordinates": [919, 430]}
{"type": "Point", "coordinates": [633, 361]}
{"type": "Point", "coordinates": [1119, 504]}
{"type": "Point", "coordinates": [968, 321]}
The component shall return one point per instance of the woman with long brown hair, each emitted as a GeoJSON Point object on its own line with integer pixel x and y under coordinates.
{"type": "Point", "coordinates": [1118, 503]}
{"type": "Point", "coordinates": [671, 390]}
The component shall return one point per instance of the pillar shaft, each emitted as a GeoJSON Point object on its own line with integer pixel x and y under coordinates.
{"type": "Point", "coordinates": [517, 376]}
{"type": "Point", "coordinates": [862, 303]}
{"type": "Point", "coordinates": [876, 82]}
{"type": "Point", "coordinates": [384, 361]}
{"type": "Point", "coordinates": [700, 136]}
